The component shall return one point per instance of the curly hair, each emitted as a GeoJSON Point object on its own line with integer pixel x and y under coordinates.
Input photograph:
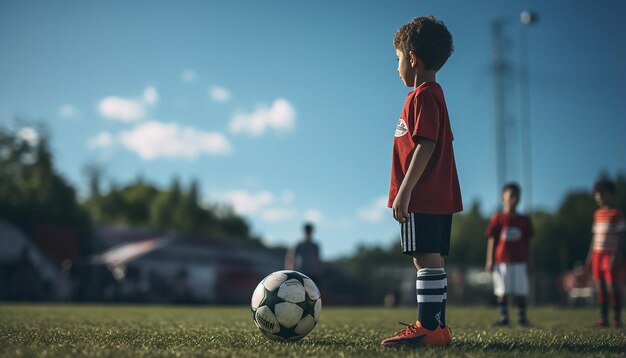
{"type": "Point", "coordinates": [428, 38]}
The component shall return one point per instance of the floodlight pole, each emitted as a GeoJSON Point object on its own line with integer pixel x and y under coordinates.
{"type": "Point", "coordinates": [500, 69]}
{"type": "Point", "coordinates": [527, 19]}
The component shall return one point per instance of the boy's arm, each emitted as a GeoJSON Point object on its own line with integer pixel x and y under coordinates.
{"type": "Point", "coordinates": [489, 261]}
{"type": "Point", "coordinates": [423, 151]}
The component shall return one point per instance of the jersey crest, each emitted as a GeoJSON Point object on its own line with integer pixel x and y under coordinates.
{"type": "Point", "coordinates": [511, 233]}
{"type": "Point", "coordinates": [401, 128]}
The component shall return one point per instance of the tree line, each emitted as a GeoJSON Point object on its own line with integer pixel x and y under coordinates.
{"type": "Point", "coordinates": [34, 193]}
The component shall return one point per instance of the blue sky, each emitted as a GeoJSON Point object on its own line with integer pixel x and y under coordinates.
{"type": "Point", "coordinates": [286, 109]}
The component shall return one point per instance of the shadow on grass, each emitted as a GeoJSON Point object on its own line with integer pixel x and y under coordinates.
{"type": "Point", "coordinates": [570, 346]}
{"type": "Point", "coordinates": [465, 346]}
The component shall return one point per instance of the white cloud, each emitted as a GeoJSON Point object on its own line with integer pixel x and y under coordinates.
{"type": "Point", "coordinates": [188, 76]}
{"type": "Point", "coordinates": [263, 204]}
{"type": "Point", "coordinates": [128, 110]}
{"type": "Point", "coordinates": [277, 214]}
{"type": "Point", "coordinates": [280, 116]}
{"type": "Point", "coordinates": [154, 139]}
{"type": "Point", "coordinates": [287, 197]}
{"type": "Point", "coordinates": [29, 135]}
{"type": "Point", "coordinates": [68, 111]}
{"type": "Point", "coordinates": [219, 94]}
{"type": "Point", "coordinates": [245, 202]}
{"type": "Point", "coordinates": [314, 216]}
{"type": "Point", "coordinates": [150, 96]}
{"type": "Point", "coordinates": [102, 140]}
{"type": "Point", "coordinates": [375, 211]}
{"type": "Point", "coordinates": [122, 109]}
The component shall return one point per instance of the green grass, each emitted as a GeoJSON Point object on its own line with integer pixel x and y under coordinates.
{"type": "Point", "coordinates": [135, 331]}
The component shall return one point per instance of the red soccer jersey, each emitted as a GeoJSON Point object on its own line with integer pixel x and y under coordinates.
{"type": "Point", "coordinates": [512, 235]}
{"type": "Point", "coordinates": [425, 115]}
{"type": "Point", "coordinates": [608, 226]}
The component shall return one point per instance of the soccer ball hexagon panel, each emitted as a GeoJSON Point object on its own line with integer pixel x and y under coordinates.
{"type": "Point", "coordinates": [286, 305]}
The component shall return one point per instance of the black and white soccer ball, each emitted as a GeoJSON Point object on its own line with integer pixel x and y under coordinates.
{"type": "Point", "coordinates": [286, 305]}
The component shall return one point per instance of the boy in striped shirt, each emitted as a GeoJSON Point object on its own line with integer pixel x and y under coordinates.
{"type": "Point", "coordinates": [605, 252]}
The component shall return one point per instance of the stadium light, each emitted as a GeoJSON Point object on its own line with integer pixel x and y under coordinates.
{"type": "Point", "coordinates": [527, 18]}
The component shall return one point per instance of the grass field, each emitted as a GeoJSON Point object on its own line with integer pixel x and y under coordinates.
{"type": "Point", "coordinates": [135, 331]}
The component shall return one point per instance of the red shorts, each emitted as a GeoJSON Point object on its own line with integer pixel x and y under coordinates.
{"type": "Point", "coordinates": [601, 267]}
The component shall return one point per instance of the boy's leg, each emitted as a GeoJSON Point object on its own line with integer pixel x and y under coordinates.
{"type": "Point", "coordinates": [445, 295]}
{"type": "Point", "coordinates": [597, 272]}
{"type": "Point", "coordinates": [429, 292]}
{"type": "Point", "coordinates": [503, 305]}
{"type": "Point", "coordinates": [602, 300]}
{"type": "Point", "coordinates": [500, 277]}
{"type": "Point", "coordinates": [426, 238]}
{"type": "Point", "coordinates": [521, 310]}
{"type": "Point", "coordinates": [429, 285]}
{"type": "Point", "coordinates": [613, 289]}
{"type": "Point", "coordinates": [521, 292]}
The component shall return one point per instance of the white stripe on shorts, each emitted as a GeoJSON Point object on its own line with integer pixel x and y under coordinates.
{"type": "Point", "coordinates": [412, 226]}
{"type": "Point", "coordinates": [407, 233]}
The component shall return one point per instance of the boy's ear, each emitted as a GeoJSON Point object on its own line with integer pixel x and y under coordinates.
{"type": "Point", "coordinates": [413, 59]}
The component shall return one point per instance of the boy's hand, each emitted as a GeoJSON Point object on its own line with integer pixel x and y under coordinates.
{"type": "Point", "coordinates": [400, 206]}
{"type": "Point", "coordinates": [488, 266]}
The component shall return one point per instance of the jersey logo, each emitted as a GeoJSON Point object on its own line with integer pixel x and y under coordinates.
{"type": "Point", "coordinates": [401, 128]}
{"type": "Point", "coordinates": [511, 234]}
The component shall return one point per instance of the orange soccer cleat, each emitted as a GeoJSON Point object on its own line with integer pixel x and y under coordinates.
{"type": "Point", "coordinates": [416, 335]}
{"type": "Point", "coordinates": [447, 335]}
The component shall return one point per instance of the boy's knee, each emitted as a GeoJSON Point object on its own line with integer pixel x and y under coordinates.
{"type": "Point", "coordinates": [427, 260]}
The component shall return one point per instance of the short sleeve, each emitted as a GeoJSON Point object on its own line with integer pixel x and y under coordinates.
{"type": "Point", "coordinates": [492, 228]}
{"type": "Point", "coordinates": [426, 121]}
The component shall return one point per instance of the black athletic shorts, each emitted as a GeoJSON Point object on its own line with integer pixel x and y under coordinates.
{"type": "Point", "coordinates": [426, 233]}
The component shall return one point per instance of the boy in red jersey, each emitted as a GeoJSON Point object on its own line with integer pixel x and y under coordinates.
{"type": "Point", "coordinates": [508, 255]}
{"type": "Point", "coordinates": [605, 252]}
{"type": "Point", "coordinates": [424, 191]}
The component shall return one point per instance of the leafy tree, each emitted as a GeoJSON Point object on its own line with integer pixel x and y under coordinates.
{"type": "Point", "coordinates": [141, 204]}
{"type": "Point", "coordinates": [32, 192]}
{"type": "Point", "coordinates": [467, 239]}
{"type": "Point", "coordinates": [574, 220]}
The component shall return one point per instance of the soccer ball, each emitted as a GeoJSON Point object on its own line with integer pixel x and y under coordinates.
{"type": "Point", "coordinates": [286, 305]}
